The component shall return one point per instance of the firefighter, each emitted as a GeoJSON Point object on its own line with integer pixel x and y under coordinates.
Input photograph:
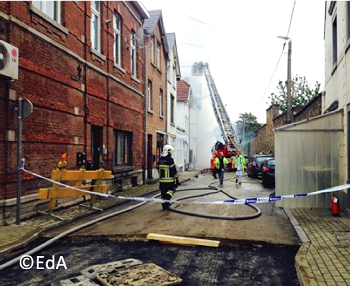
{"type": "Point", "coordinates": [239, 162]}
{"type": "Point", "coordinates": [220, 163]}
{"type": "Point", "coordinates": [168, 179]}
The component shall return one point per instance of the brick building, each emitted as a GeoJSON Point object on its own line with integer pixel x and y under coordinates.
{"type": "Point", "coordinates": [264, 141]}
{"type": "Point", "coordinates": [156, 56]}
{"type": "Point", "coordinates": [81, 65]}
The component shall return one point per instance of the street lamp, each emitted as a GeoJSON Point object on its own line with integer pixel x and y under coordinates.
{"type": "Point", "coordinates": [289, 81]}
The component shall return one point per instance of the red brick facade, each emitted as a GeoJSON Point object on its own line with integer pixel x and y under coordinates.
{"type": "Point", "coordinates": [74, 90]}
{"type": "Point", "coordinates": [156, 77]}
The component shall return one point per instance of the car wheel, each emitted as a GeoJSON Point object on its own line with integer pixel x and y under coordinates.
{"type": "Point", "coordinates": [264, 183]}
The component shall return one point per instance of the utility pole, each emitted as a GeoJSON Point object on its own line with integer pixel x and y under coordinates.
{"type": "Point", "coordinates": [243, 128]}
{"type": "Point", "coordinates": [289, 96]}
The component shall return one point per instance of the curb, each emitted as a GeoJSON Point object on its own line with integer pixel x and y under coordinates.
{"type": "Point", "coordinates": [301, 265]}
{"type": "Point", "coordinates": [299, 230]}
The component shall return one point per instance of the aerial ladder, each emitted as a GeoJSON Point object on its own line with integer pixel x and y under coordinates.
{"type": "Point", "coordinates": [227, 130]}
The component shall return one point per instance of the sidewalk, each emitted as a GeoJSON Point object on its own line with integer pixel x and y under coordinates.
{"type": "Point", "coordinates": [324, 257]}
{"type": "Point", "coordinates": [15, 236]}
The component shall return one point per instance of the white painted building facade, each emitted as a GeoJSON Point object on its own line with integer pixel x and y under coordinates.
{"type": "Point", "coordinates": [337, 77]}
{"type": "Point", "coordinates": [173, 74]}
{"type": "Point", "coordinates": [183, 126]}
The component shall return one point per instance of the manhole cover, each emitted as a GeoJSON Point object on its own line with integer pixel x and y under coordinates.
{"type": "Point", "coordinates": [142, 275]}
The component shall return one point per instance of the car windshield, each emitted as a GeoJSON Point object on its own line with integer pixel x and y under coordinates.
{"type": "Point", "coordinates": [262, 159]}
{"type": "Point", "coordinates": [270, 163]}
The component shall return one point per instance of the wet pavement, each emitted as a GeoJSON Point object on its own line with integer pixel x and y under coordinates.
{"type": "Point", "coordinates": [271, 227]}
{"type": "Point", "coordinates": [323, 258]}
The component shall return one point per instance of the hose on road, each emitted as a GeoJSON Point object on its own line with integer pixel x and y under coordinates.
{"type": "Point", "coordinates": [218, 190]}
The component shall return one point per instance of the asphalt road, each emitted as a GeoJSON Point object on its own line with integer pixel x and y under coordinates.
{"type": "Point", "coordinates": [197, 266]}
{"type": "Point", "coordinates": [272, 226]}
{"type": "Point", "coordinates": [257, 251]}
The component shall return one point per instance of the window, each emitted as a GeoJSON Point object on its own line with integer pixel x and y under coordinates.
{"type": "Point", "coordinates": [152, 50]}
{"type": "Point", "coordinates": [117, 37]}
{"type": "Point", "coordinates": [122, 147]}
{"type": "Point", "coordinates": [334, 30]}
{"type": "Point", "coordinates": [133, 53]}
{"type": "Point", "coordinates": [95, 25]}
{"type": "Point", "coordinates": [161, 103]}
{"type": "Point", "coordinates": [149, 94]}
{"type": "Point", "coordinates": [160, 144]}
{"type": "Point", "coordinates": [158, 55]}
{"type": "Point", "coordinates": [172, 107]}
{"type": "Point", "coordinates": [174, 75]}
{"type": "Point", "coordinates": [50, 8]}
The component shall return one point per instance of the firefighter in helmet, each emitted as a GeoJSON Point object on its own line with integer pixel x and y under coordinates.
{"type": "Point", "coordinates": [168, 179]}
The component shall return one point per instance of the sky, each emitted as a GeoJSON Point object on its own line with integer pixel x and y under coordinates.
{"type": "Point", "coordinates": [239, 41]}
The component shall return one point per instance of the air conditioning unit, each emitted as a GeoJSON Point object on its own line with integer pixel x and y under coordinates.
{"type": "Point", "coordinates": [8, 62]}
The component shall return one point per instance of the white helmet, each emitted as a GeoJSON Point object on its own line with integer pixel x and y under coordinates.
{"type": "Point", "coordinates": [167, 149]}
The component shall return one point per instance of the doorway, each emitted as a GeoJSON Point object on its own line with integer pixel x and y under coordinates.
{"type": "Point", "coordinates": [149, 156]}
{"type": "Point", "coordinates": [96, 146]}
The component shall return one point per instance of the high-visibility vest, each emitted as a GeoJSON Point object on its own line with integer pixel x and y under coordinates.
{"type": "Point", "coordinates": [164, 174]}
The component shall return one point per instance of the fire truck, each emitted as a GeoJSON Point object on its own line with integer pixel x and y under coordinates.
{"type": "Point", "coordinates": [228, 132]}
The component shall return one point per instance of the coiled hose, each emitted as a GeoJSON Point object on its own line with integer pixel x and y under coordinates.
{"type": "Point", "coordinates": [218, 190]}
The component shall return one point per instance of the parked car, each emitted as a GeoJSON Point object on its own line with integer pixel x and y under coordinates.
{"type": "Point", "coordinates": [268, 173]}
{"type": "Point", "coordinates": [255, 165]}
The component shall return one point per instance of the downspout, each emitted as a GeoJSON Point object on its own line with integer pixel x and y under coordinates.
{"type": "Point", "coordinates": [166, 96]}
{"type": "Point", "coordinates": [7, 112]}
{"type": "Point", "coordinates": [144, 110]}
{"type": "Point", "coordinates": [107, 23]}
{"type": "Point", "coordinates": [85, 80]}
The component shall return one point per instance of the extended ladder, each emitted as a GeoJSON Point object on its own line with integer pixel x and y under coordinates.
{"type": "Point", "coordinates": [228, 132]}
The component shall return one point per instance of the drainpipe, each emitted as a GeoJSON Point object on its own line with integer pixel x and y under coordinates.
{"type": "Point", "coordinates": [107, 61]}
{"type": "Point", "coordinates": [85, 80]}
{"type": "Point", "coordinates": [144, 109]}
{"type": "Point", "coordinates": [7, 113]}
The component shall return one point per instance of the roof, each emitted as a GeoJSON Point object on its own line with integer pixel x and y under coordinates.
{"type": "Point", "coordinates": [150, 24]}
{"type": "Point", "coordinates": [142, 9]}
{"type": "Point", "coordinates": [171, 40]}
{"type": "Point", "coordinates": [183, 90]}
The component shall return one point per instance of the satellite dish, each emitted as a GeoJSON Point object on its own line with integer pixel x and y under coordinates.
{"type": "Point", "coordinates": [139, 36]}
{"type": "Point", "coordinates": [4, 56]}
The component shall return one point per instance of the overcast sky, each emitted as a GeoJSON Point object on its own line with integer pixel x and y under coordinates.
{"type": "Point", "coordinates": [239, 41]}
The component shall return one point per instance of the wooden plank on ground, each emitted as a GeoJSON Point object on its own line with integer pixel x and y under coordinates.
{"type": "Point", "coordinates": [182, 240]}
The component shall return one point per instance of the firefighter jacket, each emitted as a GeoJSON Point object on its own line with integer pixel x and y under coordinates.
{"type": "Point", "coordinates": [217, 162]}
{"type": "Point", "coordinates": [235, 162]}
{"type": "Point", "coordinates": [167, 169]}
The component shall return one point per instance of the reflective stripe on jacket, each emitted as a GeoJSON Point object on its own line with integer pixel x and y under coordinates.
{"type": "Point", "coordinates": [167, 169]}
{"type": "Point", "coordinates": [164, 174]}
{"type": "Point", "coordinates": [217, 162]}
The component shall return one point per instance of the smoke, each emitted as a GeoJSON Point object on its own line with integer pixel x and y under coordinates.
{"type": "Point", "coordinates": [204, 131]}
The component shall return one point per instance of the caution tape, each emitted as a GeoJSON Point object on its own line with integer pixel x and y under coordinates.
{"type": "Point", "coordinates": [243, 201]}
